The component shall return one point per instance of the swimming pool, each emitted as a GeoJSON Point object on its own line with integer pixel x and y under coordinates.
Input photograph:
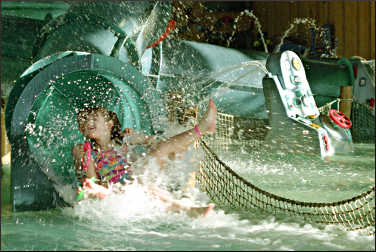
{"type": "Point", "coordinates": [113, 225]}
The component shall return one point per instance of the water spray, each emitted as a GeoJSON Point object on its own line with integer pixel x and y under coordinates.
{"type": "Point", "coordinates": [257, 23]}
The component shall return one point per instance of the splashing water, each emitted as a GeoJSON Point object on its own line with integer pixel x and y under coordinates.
{"type": "Point", "coordinates": [196, 91]}
{"type": "Point", "coordinates": [307, 21]}
{"type": "Point", "coordinates": [257, 23]}
{"type": "Point", "coordinates": [310, 23]}
{"type": "Point", "coordinates": [135, 202]}
{"type": "Point", "coordinates": [134, 221]}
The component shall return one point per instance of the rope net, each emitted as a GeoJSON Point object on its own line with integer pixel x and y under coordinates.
{"type": "Point", "coordinates": [363, 122]}
{"type": "Point", "coordinates": [229, 190]}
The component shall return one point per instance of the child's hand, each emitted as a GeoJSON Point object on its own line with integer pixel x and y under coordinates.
{"type": "Point", "coordinates": [94, 190]}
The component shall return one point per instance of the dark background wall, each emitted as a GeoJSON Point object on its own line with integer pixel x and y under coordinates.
{"type": "Point", "coordinates": [352, 22]}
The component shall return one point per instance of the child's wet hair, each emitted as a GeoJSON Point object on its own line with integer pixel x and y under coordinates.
{"type": "Point", "coordinates": [108, 115]}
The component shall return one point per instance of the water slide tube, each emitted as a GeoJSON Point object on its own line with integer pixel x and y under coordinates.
{"type": "Point", "coordinates": [40, 114]}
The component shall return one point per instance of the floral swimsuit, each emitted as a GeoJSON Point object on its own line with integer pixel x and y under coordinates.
{"type": "Point", "coordinates": [111, 167]}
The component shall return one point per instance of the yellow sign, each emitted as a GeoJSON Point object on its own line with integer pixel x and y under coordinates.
{"type": "Point", "coordinates": [296, 64]}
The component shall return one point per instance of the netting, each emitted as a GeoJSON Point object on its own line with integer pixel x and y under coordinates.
{"type": "Point", "coordinates": [230, 130]}
{"type": "Point", "coordinates": [229, 190]}
{"type": "Point", "coordinates": [363, 119]}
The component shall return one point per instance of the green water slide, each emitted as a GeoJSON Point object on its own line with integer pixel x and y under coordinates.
{"type": "Point", "coordinates": [45, 112]}
{"type": "Point", "coordinates": [81, 60]}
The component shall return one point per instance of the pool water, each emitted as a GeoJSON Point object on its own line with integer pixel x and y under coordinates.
{"type": "Point", "coordinates": [135, 222]}
{"type": "Point", "coordinates": [307, 177]}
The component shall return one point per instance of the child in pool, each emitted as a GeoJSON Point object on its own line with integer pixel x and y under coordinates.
{"type": "Point", "coordinates": [106, 160]}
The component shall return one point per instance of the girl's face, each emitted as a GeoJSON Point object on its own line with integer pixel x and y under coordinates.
{"type": "Point", "coordinates": [96, 126]}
